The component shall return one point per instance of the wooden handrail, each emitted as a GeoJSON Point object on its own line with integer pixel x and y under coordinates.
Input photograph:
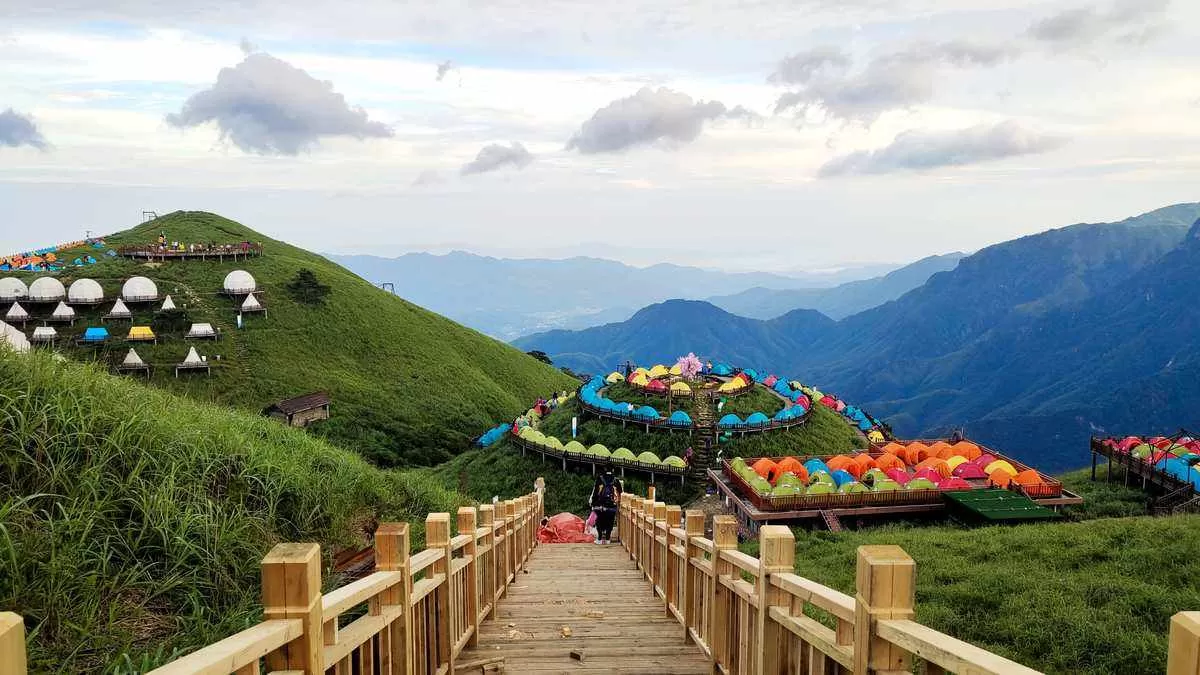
{"type": "Point", "coordinates": [761, 626]}
{"type": "Point", "coordinates": [422, 609]}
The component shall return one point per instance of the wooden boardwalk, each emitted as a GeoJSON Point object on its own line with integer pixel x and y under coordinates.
{"type": "Point", "coordinates": [598, 593]}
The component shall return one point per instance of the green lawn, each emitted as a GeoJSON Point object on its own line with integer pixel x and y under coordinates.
{"type": "Point", "coordinates": [624, 392]}
{"type": "Point", "coordinates": [758, 399]}
{"type": "Point", "coordinates": [409, 387]}
{"type": "Point", "coordinates": [132, 521]}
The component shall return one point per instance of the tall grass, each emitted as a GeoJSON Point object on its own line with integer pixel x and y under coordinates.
{"type": "Point", "coordinates": [132, 521]}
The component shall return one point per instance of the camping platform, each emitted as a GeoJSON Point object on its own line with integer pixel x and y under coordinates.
{"type": "Point", "coordinates": [142, 369]}
{"type": "Point", "coordinates": [753, 518]}
{"type": "Point", "coordinates": [219, 253]}
{"type": "Point", "coordinates": [193, 367]}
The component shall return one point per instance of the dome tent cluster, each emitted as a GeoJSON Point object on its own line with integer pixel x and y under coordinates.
{"type": "Point", "coordinates": [1178, 457]}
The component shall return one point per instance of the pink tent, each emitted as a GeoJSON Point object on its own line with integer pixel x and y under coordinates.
{"type": "Point", "coordinates": [770, 381]}
{"type": "Point", "coordinates": [969, 471]}
{"type": "Point", "coordinates": [954, 483]}
{"type": "Point", "coordinates": [899, 475]}
{"type": "Point", "coordinates": [984, 459]}
{"type": "Point", "coordinates": [564, 528]}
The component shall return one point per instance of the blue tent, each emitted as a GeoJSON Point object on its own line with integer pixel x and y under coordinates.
{"type": "Point", "coordinates": [865, 425]}
{"type": "Point", "coordinates": [757, 418]}
{"type": "Point", "coordinates": [842, 477]}
{"type": "Point", "coordinates": [722, 370]}
{"type": "Point", "coordinates": [680, 418]}
{"type": "Point", "coordinates": [814, 465]}
{"type": "Point", "coordinates": [605, 405]}
{"type": "Point", "coordinates": [646, 412]}
{"type": "Point", "coordinates": [730, 420]}
{"type": "Point", "coordinates": [751, 373]}
{"type": "Point", "coordinates": [783, 387]}
{"type": "Point", "coordinates": [783, 415]}
{"type": "Point", "coordinates": [95, 335]}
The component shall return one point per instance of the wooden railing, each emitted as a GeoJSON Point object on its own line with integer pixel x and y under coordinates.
{"type": "Point", "coordinates": [413, 615]}
{"type": "Point", "coordinates": [753, 615]}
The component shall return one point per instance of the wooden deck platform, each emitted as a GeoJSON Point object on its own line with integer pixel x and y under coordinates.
{"type": "Point", "coordinates": [615, 620]}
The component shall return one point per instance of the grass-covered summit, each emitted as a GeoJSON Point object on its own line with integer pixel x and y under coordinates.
{"type": "Point", "coordinates": [409, 387]}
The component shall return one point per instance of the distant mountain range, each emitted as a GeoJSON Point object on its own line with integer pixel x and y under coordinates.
{"type": "Point", "coordinates": [839, 301]}
{"type": "Point", "coordinates": [1031, 344]}
{"type": "Point", "coordinates": [510, 297]}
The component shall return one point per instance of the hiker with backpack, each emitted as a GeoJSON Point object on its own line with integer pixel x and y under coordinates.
{"type": "Point", "coordinates": [606, 495]}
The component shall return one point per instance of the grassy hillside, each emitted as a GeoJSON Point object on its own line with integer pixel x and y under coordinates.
{"type": "Point", "coordinates": [132, 521]}
{"type": "Point", "coordinates": [409, 387]}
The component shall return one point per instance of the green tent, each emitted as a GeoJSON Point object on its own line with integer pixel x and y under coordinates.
{"type": "Point", "coordinates": [599, 451]}
{"type": "Point", "coordinates": [821, 477]}
{"type": "Point", "coordinates": [574, 448]}
{"type": "Point", "coordinates": [1142, 451]}
{"type": "Point", "coordinates": [887, 485]}
{"type": "Point", "coordinates": [674, 461]}
{"type": "Point", "coordinates": [649, 458]}
{"type": "Point", "coordinates": [760, 485]}
{"type": "Point", "coordinates": [822, 488]}
{"type": "Point", "coordinates": [624, 453]}
{"type": "Point", "coordinates": [553, 443]}
{"type": "Point", "coordinates": [920, 484]}
{"type": "Point", "coordinates": [852, 487]}
{"type": "Point", "coordinates": [787, 490]}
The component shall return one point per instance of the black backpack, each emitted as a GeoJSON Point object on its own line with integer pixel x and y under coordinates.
{"type": "Point", "coordinates": [608, 494]}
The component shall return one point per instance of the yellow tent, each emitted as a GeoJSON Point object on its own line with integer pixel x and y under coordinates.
{"type": "Point", "coordinates": [681, 389]}
{"type": "Point", "coordinates": [639, 379]}
{"type": "Point", "coordinates": [658, 371]}
{"type": "Point", "coordinates": [954, 461]}
{"type": "Point", "coordinates": [731, 386]}
{"type": "Point", "coordinates": [614, 377]}
{"type": "Point", "coordinates": [875, 436]}
{"type": "Point", "coordinates": [641, 370]}
{"type": "Point", "coordinates": [1000, 464]}
{"type": "Point", "coordinates": [141, 334]}
{"type": "Point", "coordinates": [676, 370]}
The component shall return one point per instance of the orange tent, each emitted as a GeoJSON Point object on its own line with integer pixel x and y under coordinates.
{"type": "Point", "coordinates": [888, 461]}
{"type": "Point", "coordinates": [865, 461]}
{"type": "Point", "coordinates": [1028, 477]}
{"type": "Point", "coordinates": [790, 464]}
{"type": "Point", "coordinates": [966, 449]}
{"type": "Point", "coordinates": [915, 452]}
{"type": "Point", "coordinates": [839, 463]}
{"type": "Point", "coordinates": [937, 464]}
{"type": "Point", "coordinates": [941, 449]}
{"type": "Point", "coordinates": [893, 448]}
{"type": "Point", "coordinates": [765, 466]}
{"type": "Point", "coordinates": [1000, 478]}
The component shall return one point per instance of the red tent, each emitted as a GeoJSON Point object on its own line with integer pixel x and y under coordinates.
{"type": "Point", "coordinates": [983, 460]}
{"type": "Point", "coordinates": [770, 381]}
{"type": "Point", "coordinates": [954, 483]}
{"type": "Point", "coordinates": [969, 471]}
{"type": "Point", "coordinates": [1128, 443]}
{"type": "Point", "coordinates": [899, 475]}
{"type": "Point", "coordinates": [656, 386]}
{"type": "Point", "coordinates": [564, 528]}
{"type": "Point", "coordinates": [828, 401]}
{"type": "Point", "coordinates": [928, 473]}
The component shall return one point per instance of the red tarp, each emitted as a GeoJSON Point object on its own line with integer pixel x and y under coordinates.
{"type": "Point", "coordinates": [564, 528]}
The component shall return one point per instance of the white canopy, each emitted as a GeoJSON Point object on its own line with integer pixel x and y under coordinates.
{"type": "Point", "coordinates": [192, 358]}
{"type": "Point", "coordinates": [13, 338]}
{"type": "Point", "coordinates": [132, 359]}
{"type": "Point", "coordinates": [47, 289]}
{"type": "Point", "coordinates": [139, 289]}
{"type": "Point", "coordinates": [63, 311]}
{"type": "Point", "coordinates": [251, 302]}
{"type": "Point", "coordinates": [168, 303]}
{"type": "Point", "coordinates": [85, 290]}
{"type": "Point", "coordinates": [17, 313]}
{"type": "Point", "coordinates": [201, 330]}
{"type": "Point", "coordinates": [12, 288]}
{"type": "Point", "coordinates": [240, 281]}
{"type": "Point", "coordinates": [119, 310]}
{"type": "Point", "coordinates": [44, 333]}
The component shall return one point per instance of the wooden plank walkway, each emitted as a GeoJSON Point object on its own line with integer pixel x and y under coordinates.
{"type": "Point", "coordinates": [570, 585]}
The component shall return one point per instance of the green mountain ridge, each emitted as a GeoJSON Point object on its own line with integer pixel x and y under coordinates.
{"type": "Point", "coordinates": [409, 387]}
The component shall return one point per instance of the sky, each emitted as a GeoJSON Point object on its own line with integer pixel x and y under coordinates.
{"type": "Point", "coordinates": [736, 134]}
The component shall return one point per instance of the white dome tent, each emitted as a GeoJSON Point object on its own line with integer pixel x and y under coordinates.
{"type": "Point", "coordinates": [239, 282]}
{"type": "Point", "coordinates": [17, 314]}
{"type": "Point", "coordinates": [168, 304]}
{"type": "Point", "coordinates": [45, 334]}
{"type": "Point", "coordinates": [139, 289]}
{"type": "Point", "coordinates": [13, 339]}
{"type": "Point", "coordinates": [12, 288]}
{"type": "Point", "coordinates": [119, 311]}
{"type": "Point", "coordinates": [46, 289]}
{"type": "Point", "coordinates": [85, 292]}
{"type": "Point", "coordinates": [63, 314]}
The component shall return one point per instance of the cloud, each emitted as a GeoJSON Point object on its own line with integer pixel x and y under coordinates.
{"type": "Point", "coordinates": [247, 46]}
{"type": "Point", "coordinates": [267, 106]}
{"type": "Point", "coordinates": [496, 156]}
{"type": "Point", "coordinates": [428, 177]}
{"type": "Point", "coordinates": [919, 150]}
{"type": "Point", "coordinates": [1123, 20]}
{"type": "Point", "coordinates": [649, 116]}
{"type": "Point", "coordinates": [801, 67]}
{"type": "Point", "coordinates": [892, 81]}
{"type": "Point", "coordinates": [444, 68]}
{"type": "Point", "coordinates": [17, 130]}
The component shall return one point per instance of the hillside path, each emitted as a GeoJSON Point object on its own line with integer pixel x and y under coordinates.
{"type": "Point", "coordinates": [614, 618]}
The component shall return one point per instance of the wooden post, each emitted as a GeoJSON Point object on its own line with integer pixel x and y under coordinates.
{"type": "Point", "coordinates": [776, 553]}
{"type": "Point", "coordinates": [694, 525]}
{"type": "Point", "coordinates": [487, 575]}
{"type": "Point", "coordinates": [720, 604]}
{"type": "Point", "coordinates": [670, 568]}
{"type": "Point", "coordinates": [657, 558]}
{"type": "Point", "coordinates": [437, 536]}
{"type": "Point", "coordinates": [291, 589]}
{"type": "Point", "coordinates": [12, 644]}
{"type": "Point", "coordinates": [471, 603]}
{"type": "Point", "coordinates": [1183, 645]}
{"type": "Point", "coordinates": [647, 538]}
{"type": "Point", "coordinates": [886, 583]}
{"type": "Point", "coordinates": [391, 555]}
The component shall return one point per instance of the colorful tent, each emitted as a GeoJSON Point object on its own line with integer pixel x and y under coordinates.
{"type": "Point", "coordinates": [681, 389]}
{"type": "Point", "coordinates": [659, 371]}
{"type": "Point", "coordinates": [648, 457]}
{"type": "Point", "coordinates": [765, 467]}
{"type": "Point", "coordinates": [921, 484]}
{"type": "Point", "coordinates": [889, 461]}
{"type": "Point", "coordinates": [639, 379]}
{"type": "Point", "coordinates": [646, 413]}
{"type": "Point", "coordinates": [1029, 477]}
{"type": "Point", "coordinates": [729, 420]}
{"type": "Point", "coordinates": [677, 462]}
{"type": "Point", "coordinates": [940, 449]}
{"type": "Point", "coordinates": [564, 528]}
{"type": "Point", "coordinates": [899, 475]}
{"type": "Point", "coordinates": [614, 377]}
{"type": "Point", "coordinates": [95, 334]}
{"type": "Point", "coordinates": [875, 436]}
{"type": "Point", "coordinates": [969, 471]}
{"type": "Point", "coordinates": [722, 370]}
{"type": "Point", "coordinates": [953, 483]}
{"type": "Point", "coordinates": [954, 461]}
{"type": "Point", "coordinates": [656, 386]}
{"type": "Point", "coordinates": [680, 418]}
{"type": "Point", "coordinates": [758, 419]}
{"type": "Point", "coordinates": [966, 449]}
{"type": "Point", "coordinates": [140, 334]}
{"type": "Point", "coordinates": [598, 450]}
{"type": "Point", "coordinates": [574, 448]}
{"type": "Point", "coordinates": [999, 465]}
{"type": "Point", "coordinates": [676, 370]}
{"type": "Point", "coordinates": [625, 454]}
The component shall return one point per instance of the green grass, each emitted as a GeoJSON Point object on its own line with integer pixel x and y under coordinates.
{"type": "Point", "coordinates": [758, 399]}
{"type": "Point", "coordinates": [132, 521]}
{"type": "Point", "coordinates": [627, 393]}
{"type": "Point", "coordinates": [1093, 596]}
{"type": "Point", "coordinates": [409, 387]}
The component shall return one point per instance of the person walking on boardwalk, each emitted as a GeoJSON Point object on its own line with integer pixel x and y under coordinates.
{"type": "Point", "coordinates": [606, 494]}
